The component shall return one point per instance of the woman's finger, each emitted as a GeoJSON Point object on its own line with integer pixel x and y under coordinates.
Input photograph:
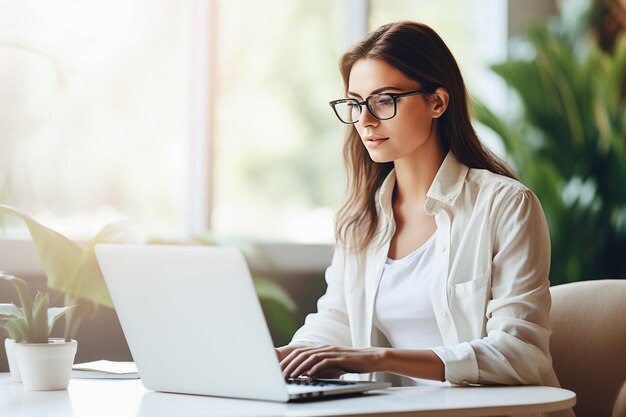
{"type": "Point", "coordinates": [292, 361]}
{"type": "Point", "coordinates": [283, 351]}
{"type": "Point", "coordinates": [294, 354]}
{"type": "Point", "coordinates": [327, 365]}
{"type": "Point", "coordinates": [312, 360]}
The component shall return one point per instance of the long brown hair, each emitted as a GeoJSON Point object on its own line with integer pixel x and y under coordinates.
{"type": "Point", "coordinates": [418, 52]}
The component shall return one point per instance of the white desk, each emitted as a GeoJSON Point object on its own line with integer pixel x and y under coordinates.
{"type": "Point", "coordinates": [128, 398]}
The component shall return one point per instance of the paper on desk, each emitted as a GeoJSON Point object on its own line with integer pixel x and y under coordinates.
{"type": "Point", "coordinates": [105, 369]}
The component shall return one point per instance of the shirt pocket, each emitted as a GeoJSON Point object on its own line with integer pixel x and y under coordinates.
{"type": "Point", "coordinates": [471, 287]}
{"type": "Point", "coordinates": [468, 305]}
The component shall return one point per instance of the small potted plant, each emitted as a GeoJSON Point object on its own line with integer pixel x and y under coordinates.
{"type": "Point", "coordinates": [72, 270]}
{"type": "Point", "coordinates": [43, 363]}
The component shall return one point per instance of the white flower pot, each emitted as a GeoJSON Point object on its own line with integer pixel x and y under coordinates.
{"type": "Point", "coordinates": [9, 347]}
{"type": "Point", "coordinates": [46, 366]}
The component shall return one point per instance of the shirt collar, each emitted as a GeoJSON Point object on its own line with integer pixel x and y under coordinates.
{"type": "Point", "coordinates": [447, 184]}
{"type": "Point", "coordinates": [445, 188]}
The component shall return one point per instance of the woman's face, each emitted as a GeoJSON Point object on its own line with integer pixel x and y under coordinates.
{"type": "Point", "coordinates": [411, 130]}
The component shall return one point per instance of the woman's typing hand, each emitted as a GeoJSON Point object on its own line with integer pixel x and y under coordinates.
{"type": "Point", "coordinates": [332, 361]}
{"type": "Point", "coordinates": [328, 361]}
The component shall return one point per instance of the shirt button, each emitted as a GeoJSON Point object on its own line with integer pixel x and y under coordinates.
{"type": "Point", "coordinates": [443, 248]}
{"type": "Point", "coordinates": [444, 314]}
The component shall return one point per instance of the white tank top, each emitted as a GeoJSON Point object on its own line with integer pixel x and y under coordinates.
{"type": "Point", "coordinates": [403, 311]}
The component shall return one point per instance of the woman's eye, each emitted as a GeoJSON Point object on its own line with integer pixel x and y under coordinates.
{"type": "Point", "coordinates": [384, 101]}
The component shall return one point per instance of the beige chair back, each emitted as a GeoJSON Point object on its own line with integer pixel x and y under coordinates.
{"type": "Point", "coordinates": [588, 345]}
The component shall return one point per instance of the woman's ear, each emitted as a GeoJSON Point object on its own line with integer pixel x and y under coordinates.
{"type": "Point", "coordinates": [440, 99]}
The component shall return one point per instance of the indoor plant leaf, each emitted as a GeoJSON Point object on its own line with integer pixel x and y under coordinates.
{"type": "Point", "coordinates": [87, 281]}
{"type": "Point", "coordinates": [56, 252]}
{"type": "Point", "coordinates": [17, 328]}
{"type": "Point", "coordinates": [40, 319]}
{"type": "Point", "coordinates": [56, 312]}
{"type": "Point", "coordinates": [26, 300]}
{"type": "Point", "coordinates": [270, 291]}
{"type": "Point", "coordinates": [282, 322]}
{"type": "Point", "coordinates": [10, 309]}
{"type": "Point", "coordinates": [573, 99]}
{"type": "Point", "coordinates": [82, 309]}
{"type": "Point", "coordinates": [69, 267]}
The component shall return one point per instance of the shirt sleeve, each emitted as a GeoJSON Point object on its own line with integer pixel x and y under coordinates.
{"type": "Point", "coordinates": [516, 347]}
{"type": "Point", "coordinates": [330, 324]}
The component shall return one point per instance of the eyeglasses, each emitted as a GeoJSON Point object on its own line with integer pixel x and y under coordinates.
{"type": "Point", "coordinates": [381, 106]}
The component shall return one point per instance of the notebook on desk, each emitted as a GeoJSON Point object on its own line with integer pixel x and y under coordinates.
{"type": "Point", "coordinates": [194, 324]}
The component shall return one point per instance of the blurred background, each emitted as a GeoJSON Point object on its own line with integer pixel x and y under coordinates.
{"type": "Point", "coordinates": [199, 119]}
{"type": "Point", "coordinates": [194, 115]}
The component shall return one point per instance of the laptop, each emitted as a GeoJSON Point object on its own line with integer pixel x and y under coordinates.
{"type": "Point", "coordinates": [194, 324]}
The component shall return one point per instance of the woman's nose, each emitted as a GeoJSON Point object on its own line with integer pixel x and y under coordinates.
{"type": "Point", "coordinates": [367, 119]}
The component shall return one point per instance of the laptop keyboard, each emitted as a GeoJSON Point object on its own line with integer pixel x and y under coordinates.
{"type": "Point", "coordinates": [318, 382]}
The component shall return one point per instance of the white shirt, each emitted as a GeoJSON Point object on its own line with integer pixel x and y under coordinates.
{"type": "Point", "coordinates": [403, 311]}
{"type": "Point", "coordinates": [489, 288]}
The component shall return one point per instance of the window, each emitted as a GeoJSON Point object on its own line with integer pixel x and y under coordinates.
{"type": "Point", "coordinates": [95, 102]}
{"type": "Point", "coordinates": [123, 109]}
{"type": "Point", "coordinates": [278, 173]}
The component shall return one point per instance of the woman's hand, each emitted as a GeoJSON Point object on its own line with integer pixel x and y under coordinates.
{"type": "Point", "coordinates": [283, 351]}
{"type": "Point", "coordinates": [330, 361]}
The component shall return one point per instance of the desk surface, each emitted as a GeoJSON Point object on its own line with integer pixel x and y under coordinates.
{"type": "Point", "coordinates": [128, 398]}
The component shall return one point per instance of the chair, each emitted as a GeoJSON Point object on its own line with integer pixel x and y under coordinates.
{"type": "Point", "coordinates": [588, 345]}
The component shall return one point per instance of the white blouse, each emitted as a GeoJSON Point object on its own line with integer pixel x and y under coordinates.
{"type": "Point", "coordinates": [403, 310]}
{"type": "Point", "coordinates": [489, 288]}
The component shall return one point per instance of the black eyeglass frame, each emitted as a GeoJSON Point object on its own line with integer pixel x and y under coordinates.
{"type": "Point", "coordinates": [394, 96]}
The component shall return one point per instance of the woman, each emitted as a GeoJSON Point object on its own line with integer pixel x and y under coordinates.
{"type": "Point", "coordinates": [440, 273]}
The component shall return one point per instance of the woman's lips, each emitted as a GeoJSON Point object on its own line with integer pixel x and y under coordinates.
{"type": "Point", "coordinates": [374, 141]}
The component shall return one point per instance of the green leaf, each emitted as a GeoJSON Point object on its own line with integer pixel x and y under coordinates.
{"type": "Point", "coordinates": [5, 318]}
{"type": "Point", "coordinates": [568, 142]}
{"type": "Point", "coordinates": [26, 300]}
{"type": "Point", "coordinates": [87, 282]}
{"type": "Point", "coordinates": [281, 321]}
{"type": "Point", "coordinates": [39, 332]}
{"type": "Point", "coordinates": [17, 328]}
{"type": "Point", "coordinates": [70, 268]}
{"type": "Point", "coordinates": [10, 309]}
{"type": "Point", "coordinates": [54, 313]}
{"type": "Point", "coordinates": [269, 291]}
{"type": "Point", "coordinates": [82, 309]}
{"type": "Point", "coordinates": [58, 254]}
{"type": "Point", "coordinates": [12, 319]}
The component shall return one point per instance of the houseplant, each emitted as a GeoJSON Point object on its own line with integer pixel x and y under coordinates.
{"type": "Point", "coordinates": [567, 139]}
{"type": "Point", "coordinates": [73, 270]}
{"type": "Point", "coordinates": [70, 268]}
{"type": "Point", "coordinates": [41, 362]}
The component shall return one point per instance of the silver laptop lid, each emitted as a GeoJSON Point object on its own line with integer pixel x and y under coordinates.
{"type": "Point", "coordinates": [192, 320]}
